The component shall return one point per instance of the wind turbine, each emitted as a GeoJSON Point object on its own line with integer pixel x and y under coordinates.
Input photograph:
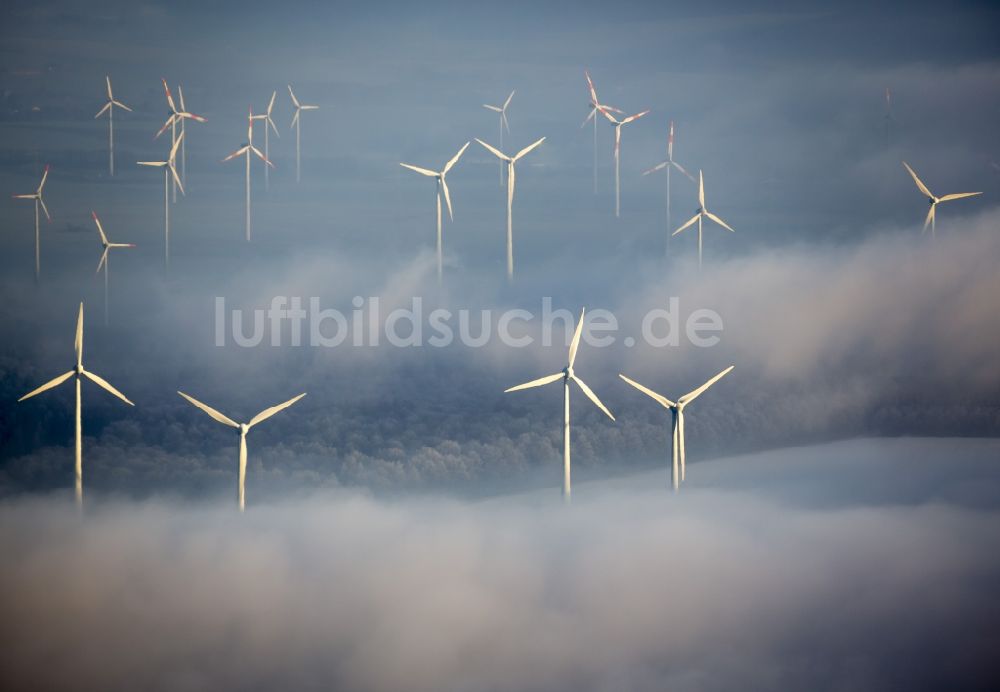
{"type": "Point", "coordinates": [169, 169]}
{"type": "Point", "coordinates": [104, 264]}
{"type": "Point", "coordinates": [618, 146]}
{"type": "Point", "coordinates": [567, 375]}
{"type": "Point", "coordinates": [246, 150]}
{"type": "Point", "coordinates": [669, 164]}
{"type": "Point", "coordinates": [296, 123]}
{"type": "Point", "coordinates": [511, 160]}
{"type": "Point", "coordinates": [110, 108]}
{"type": "Point", "coordinates": [596, 105]}
{"type": "Point", "coordinates": [244, 428]}
{"type": "Point", "coordinates": [183, 115]}
{"type": "Point", "coordinates": [677, 414]}
{"type": "Point", "coordinates": [79, 373]}
{"type": "Point", "coordinates": [173, 117]}
{"type": "Point", "coordinates": [266, 117]}
{"type": "Point", "coordinates": [702, 212]}
{"type": "Point", "coordinates": [39, 202]}
{"type": "Point", "coordinates": [502, 110]}
{"type": "Point", "coordinates": [440, 186]}
{"type": "Point", "coordinates": [934, 201]}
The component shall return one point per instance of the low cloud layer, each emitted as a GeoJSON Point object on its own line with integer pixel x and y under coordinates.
{"type": "Point", "coordinates": [812, 569]}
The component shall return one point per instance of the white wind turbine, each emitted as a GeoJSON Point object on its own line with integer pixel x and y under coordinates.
{"type": "Point", "coordinates": [669, 164]}
{"type": "Point", "coordinates": [246, 150]}
{"type": "Point", "coordinates": [183, 115]}
{"type": "Point", "coordinates": [175, 116]}
{"type": "Point", "coordinates": [110, 108]}
{"type": "Point", "coordinates": [296, 123]}
{"type": "Point", "coordinates": [266, 117]}
{"type": "Point", "coordinates": [596, 105]}
{"type": "Point", "coordinates": [79, 373]}
{"type": "Point", "coordinates": [104, 264]}
{"type": "Point", "coordinates": [244, 428]}
{"type": "Point", "coordinates": [441, 185]}
{"type": "Point", "coordinates": [510, 160]}
{"type": "Point", "coordinates": [502, 110]}
{"type": "Point", "coordinates": [677, 413]}
{"type": "Point", "coordinates": [934, 201]}
{"type": "Point", "coordinates": [702, 212]}
{"type": "Point", "coordinates": [567, 375]}
{"type": "Point", "coordinates": [618, 146]}
{"type": "Point", "coordinates": [169, 169]}
{"type": "Point", "coordinates": [39, 203]}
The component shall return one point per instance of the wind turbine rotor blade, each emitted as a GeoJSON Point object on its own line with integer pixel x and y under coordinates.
{"type": "Point", "coordinates": [122, 245]}
{"type": "Point", "coordinates": [492, 108]}
{"type": "Point", "coordinates": [691, 396]}
{"type": "Point", "coordinates": [177, 178]}
{"type": "Point", "coordinates": [593, 397]}
{"type": "Point", "coordinates": [664, 401]}
{"type": "Point", "coordinates": [122, 105]}
{"type": "Point", "coordinates": [507, 102]}
{"type": "Point", "coordinates": [261, 156]}
{"type": "Point", "coordinates": [634, 117]}
{"type": "Point", "coordinates": [958, 195]}
{"type": "Point", "coordinates": [268, 412]}
{"type": "Point", "coordinates": [454, 159]}
{"type": "Point", "coordinates": [447, 197]}
{"type": "Point", "coordinates": [606, 114]}
{"type": "Point", "coordinates": [503, 119]}
{"type": "Point", "coordinates": [107, 78]}
{"type": "Point", "coordinates": [211, 411]}
{"type": "Point", "coordinates": [421, 171]}
{"type": "Point", "coordinates": [274, 127]}
{"type": "Point", "coordinates": [496, 152]}
{"type": "Point", "coordinates": [195, 116]}
{"type": "Point", "coordinates": [310, 108]}
{"type": "Point", "coordinates": [657, 167]}
{"type": "Point", "coordinates": [49, 385]}
{"type": "Point", "coordinates": [295, 119]}
{"type": "Point", "coordinates": [292, 94]}
{"type": "Point", "coordinates": [104, 259]}
{"type": "Point", "coordinates": [536, 383]}
{"type": "Point", "coordinates": [590, 116]}
{"type": "Point", "coordinates": [701, 189]}
{"type": "Point", "coordinates": [163, 129]}
{"type": "Point", "coordinates": [158, 164]}
{"type": "Point", "coordinates": [101, 112]}
{"type": "Point", "coordinates": [170, 99]}
{"type": "Point", "coordinates": [78, 341]}
{"type": "Point", "coordinates": [45, 176]}
{"type": "Point", "coordinates": [238, 152]}
{"type": "Point", "coordinates": [918, 181]}
{"type": "Point", "coordinates": [528, 149]}
{"type": "Point", "coordinates": [270, 105]}
{"type": "Point", "coordinates": [689, 223]}
{"type": "Point", "coordinates": [44, 208]}
{"type": "Point", "coordinates": [681, 169]}
{"type": "Point", "coordinates": [511, 176]}
{"type": "Point", "coordinates": [101, 382]}
{"type": "Point", "coordinates": [180, 97]}
{"type": "Point", "coordinates": [930, 216]}
{"type": "Point", "coordinates": [590, 86]}
{"type": "Point", "coordinates": [719, 221]}
{"type": "Point", "coordinates": [575, 343]}
{"type": "Point", "coordinates": [100, 229]}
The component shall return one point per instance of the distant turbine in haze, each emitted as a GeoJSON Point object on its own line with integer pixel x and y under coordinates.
{"type": "Point", "coordinates": [39, 203]}
{"type": "Point", "coordinates": [79, 373]}
{"type": "Point", "coordinates": [440, 186]}
{"type": "Point", "coordinates": [677, 412]}
{"type": "Point", "coordinates": [104, 264]}
{"type": "Point", "coordinates": [174, 117]}
{"type": "Point", "coordinates": [596, 105]}
{"type": "Point", "coordinates": [297, 124]}
{"type": "Point", "coordinates": [266, 117]}
{"type": "Point", "coordinates": [669, 164]}
{"type": "Point", "coordinates": [618, 146]}
{"type": "Point", "coordinates": [702, 212]}
{"type": "Point", "coordinates": [246, 150]}
{"type": "Point", "coordinates": [110, 108]}
{"type": "Point", "coordinates": [244, 428]}
{"type": "Point", "coordinates": [934, 201]}
{"type": "Point", "coordinates": [169, 169]}
{"type": "Point", "coordinates": [567, 375]}
{"type": "Point", "coordinates": [510, 160]}
{"type": "Point", "coordinates": [502, 110]}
